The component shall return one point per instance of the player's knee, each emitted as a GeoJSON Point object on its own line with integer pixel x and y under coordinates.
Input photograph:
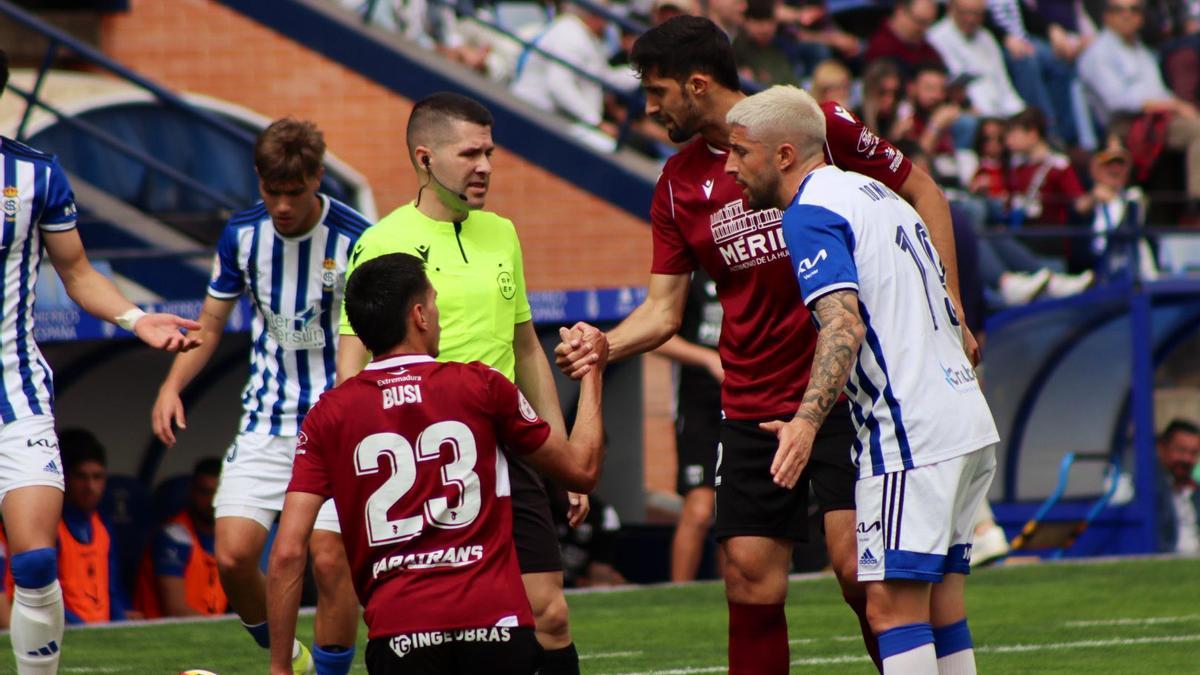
{"type": "Point", "coordinates": [697, 509]}
{"type": "Point", "coordinates": [750, 579]}
{"type": "Point", "coordinates": [37, 568]}
{"type": "Point", "coordinates": [235, 561]}
{"type": "Point", "coordinates": [330, 568]}
{"type": "Point", "coordinates": [551, 616]}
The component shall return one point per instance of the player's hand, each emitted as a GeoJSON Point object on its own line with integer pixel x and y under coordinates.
{"type": "Point", "coordinates": [168, 410]}
{"type": "Point", "coordinates": [795, 446]}
{"type": "Point", "coordinates": [574, 356]}
{"type": "Point", "coordinates": [971, 346]}
{"type": "Point", "coordinates": [578, 508]}
{"type": "Point", "coordinates": [165, 331]}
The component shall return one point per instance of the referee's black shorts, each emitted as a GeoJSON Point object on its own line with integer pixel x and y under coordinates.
{"type": "Point", "coordinates": [534, 533]}
{"type": "Point", "coordinates": [749, 503]}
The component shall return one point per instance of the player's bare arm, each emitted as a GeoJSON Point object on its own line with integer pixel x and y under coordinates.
{"type": "Point", "coordinates": [651, 324]}
{"type": "Point", "coordinates": [691, 354]}
{"type": "Point", "coordinates": [351, 357]}
{"type": "Point", "coordinates": [285, 574]}
{"type": "Point", "coordinates": [536, 381]}
{"type": "Point", "coordinates": [575, 462]}
{"type": "Point", "coordinates": [98, 296]}
{"type": "Point", "coordinates": [920, 190]}
{"type": "Point", "coordinates": [841, 334]}
{"type": "Point", "coordinates": [168, 407]}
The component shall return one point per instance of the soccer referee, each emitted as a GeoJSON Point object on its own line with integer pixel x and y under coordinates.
{"type": "Point", "coordinates": [473, 258]}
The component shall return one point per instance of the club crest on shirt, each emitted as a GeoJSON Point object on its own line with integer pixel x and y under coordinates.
{"type": "Point", "coordinates": [11, 203]}
{"type": "Point", "coordinates": [329, 275]}
{"type": "Point", "coordinates": [526, 409]}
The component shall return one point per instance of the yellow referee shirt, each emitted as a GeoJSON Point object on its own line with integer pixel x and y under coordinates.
{"type": "Point", "coordinates": [477, 270]}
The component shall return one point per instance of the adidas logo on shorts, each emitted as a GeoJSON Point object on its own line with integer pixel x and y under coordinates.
{"type": "Point", "coordinates": [867, 560]}
{"type": "Point", "coordinates": [51, 467]}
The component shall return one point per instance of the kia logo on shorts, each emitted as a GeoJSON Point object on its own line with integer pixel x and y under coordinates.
{"type": "Point", "coordinates": [863, 528]}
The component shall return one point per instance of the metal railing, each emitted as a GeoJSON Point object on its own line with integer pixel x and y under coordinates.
{"type": "Point", "coordinates": [59, 40]}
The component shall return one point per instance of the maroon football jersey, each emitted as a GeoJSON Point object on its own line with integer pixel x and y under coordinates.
{"type": "Point", "coordinates": [409, 451]}
{"type": "Point", "coordinates": [699, 217]}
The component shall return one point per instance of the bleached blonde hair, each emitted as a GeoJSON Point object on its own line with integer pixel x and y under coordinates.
{"type": "Point", "coordinates": [782, 114]}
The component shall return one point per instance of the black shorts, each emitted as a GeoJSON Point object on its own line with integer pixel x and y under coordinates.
{"type": "Point", "coordinates": [749, 503]}
{"type": "Point", "coordinates": [533, 525]}
{"type": "Point", "coordinates": [503, 651]}
{"type": "Point", "coordinates": [697, 433]}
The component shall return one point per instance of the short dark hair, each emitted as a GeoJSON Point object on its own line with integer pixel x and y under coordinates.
{"type": "Point", "coordinates": [77, 446]}
{"type": "Point", "coordinates": [289, 150]}
{"type": "Point", "coordinates": [1178, 426]}
{"type": "Point", "coordinates": [431, 115]}
{"type": "Point", "coordinates": [683, 45]}
{"type": "Point", "coordinates": [209, 466]}
{"type": "Point", "coordinates": [379, 295]}
{"type": "Point", "coordinates": [3, 70]}
{"type": "Point", "coordinates": [761, 10]}
{"type": "Point", "coordinates": [1031, 118]}
{"type": "Point", "coordinates": [929, 67]}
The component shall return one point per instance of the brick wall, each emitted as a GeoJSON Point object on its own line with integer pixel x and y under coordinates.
{"type": "Point", "coordinates": [570, 238]}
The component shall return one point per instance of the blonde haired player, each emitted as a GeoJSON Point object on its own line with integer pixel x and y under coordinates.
{"type": "Point", "coordinates": [889, 337]}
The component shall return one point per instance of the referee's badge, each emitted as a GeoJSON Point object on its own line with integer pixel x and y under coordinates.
{"type": "Point", "coordinates": [508, 288]}
{"type": "Point", "coordinates": [329, 276]}
{"type": "Point", "coordinates": [12, 203]}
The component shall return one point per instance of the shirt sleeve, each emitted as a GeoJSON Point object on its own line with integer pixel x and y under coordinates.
{"type": "Point", "coordinates": [524, 312]}
{"type": "Point", "coordinates": [309, 473]}
{"type": "Point", "coordinates": [517, 424]}
{"type": "Point", "coordinates": [170, 550]}
{"type": "Point", "coordinates": [58, 211]}
{"type": "Point", "coordinates": [854, 147]}
{"type": "Point", "coordinates": [822, 251]}
{"type": "Point", "coordinates": [227, 281]}
{"type": "Point", "coordinates": [671, 252]}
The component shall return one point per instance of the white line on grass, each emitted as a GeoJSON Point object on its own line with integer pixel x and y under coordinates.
{"type": "Point", "coordinates": [983, 649]}
{"type": "Point", "coordinates": [1146, 621]}
{"type": "Point", "coordinates": [836, 638]}
{"type": "Point", "coordinates": [608, 655]}
{"type": "Point", "coordinates": [1086, 644]}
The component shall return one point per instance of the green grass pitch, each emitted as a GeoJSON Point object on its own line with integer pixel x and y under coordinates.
{"type": "Point", "coordinates": [1133, 616]}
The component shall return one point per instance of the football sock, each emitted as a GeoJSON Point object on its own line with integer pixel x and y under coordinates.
{"type": "Point", "coordinates": [562, 661]}
{"type": "Point", "coordinates": [37, 612]}
{"type": "Point", "coordinates": [758, 642]}
{"type": "Point", "coordinates": [955, 651]}
{"type": "Point", "coordinates": [333, 659]}
{"type": "Point", "coordinates": [908, 650]}
{"type": "Point", "coordinates": [859, 605]}
{"type": "Point", "coordinates": [260, 633]}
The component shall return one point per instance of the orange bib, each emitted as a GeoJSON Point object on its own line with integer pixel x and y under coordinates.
{"type": "Point", "coordinates": [83, 572]}
{"type": "Point", "coordinates": [202, 586]}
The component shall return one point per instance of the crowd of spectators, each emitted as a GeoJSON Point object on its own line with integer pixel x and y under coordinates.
{"type": "Point", "coordinates": [1059, 113]}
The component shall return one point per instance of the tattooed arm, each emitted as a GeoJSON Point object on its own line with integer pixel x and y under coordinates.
{"type": "Point", "coordinates": [841, 334]}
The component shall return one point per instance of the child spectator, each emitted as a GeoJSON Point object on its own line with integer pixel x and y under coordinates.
{"type": "Point", "coordinates": [831, 81]}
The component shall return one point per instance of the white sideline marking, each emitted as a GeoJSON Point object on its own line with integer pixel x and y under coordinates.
{"type": "Point", "coordinates": [836, 638]}
{"type": "Point", "coordinates": [983, 649]}
{"type": "Point", "coordinates": [1147, 621]}
{"type": "Point", "coordinates": [1087, 644]}
{"type": "Point", "coordinates": [608, 655]}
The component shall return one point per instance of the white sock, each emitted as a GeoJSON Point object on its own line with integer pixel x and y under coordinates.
{"type": "Point", "coordinates": [958, 663]}
{"type": "Point", "coordinates": [920, 661]}
{"type": "Point", "coordinates": [37, 627]}
{"type": "Point", "coordinates": [295, 649]}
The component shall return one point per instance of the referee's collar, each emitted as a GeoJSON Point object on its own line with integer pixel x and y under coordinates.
{"type": "Point", "coordinates": [398, 361]}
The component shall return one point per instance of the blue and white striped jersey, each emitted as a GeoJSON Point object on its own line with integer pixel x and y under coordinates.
{"type": "Point", "coordinates": [296, 285]}
{"type": "Point", "coordinates": [36, 198]}
{"type": "Point", "coordinates": [913, 393]}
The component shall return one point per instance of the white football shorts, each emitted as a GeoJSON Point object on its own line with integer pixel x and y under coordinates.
{"type": "Point", "coordinates": [919, 523]}
{"type": "Point", "coordinates": [29, 454]}
{"type": "Point", "coordinates": [255, 477]}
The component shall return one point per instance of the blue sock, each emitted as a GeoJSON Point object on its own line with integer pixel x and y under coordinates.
{"type": "Point", "coordinates": [904, 638]}
{"type": "Point", "coordinates": [333, 659]}
{"type": "Point", "coordinates": [952, 639]}
{"type": "Point", "coordinates": [260, 633]}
